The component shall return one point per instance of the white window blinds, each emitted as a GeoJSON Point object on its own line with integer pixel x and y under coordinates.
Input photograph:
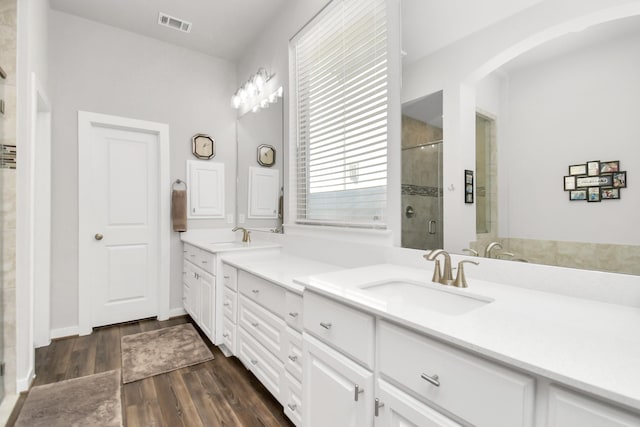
{"type": "Point", "coordinates": [340, 64]}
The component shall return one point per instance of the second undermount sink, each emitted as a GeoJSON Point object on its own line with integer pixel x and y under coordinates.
{"type": "Point", "coordinates": [429, 297]}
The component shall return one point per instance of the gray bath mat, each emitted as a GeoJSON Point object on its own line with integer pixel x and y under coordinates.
{"type": "Point", "coordinates": [164, 350]}
{"type": "Point", "coordinates": [93, 400]}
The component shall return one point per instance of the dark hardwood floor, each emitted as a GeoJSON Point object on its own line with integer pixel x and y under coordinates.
{"type": "Point", "coordinates": [220, 392]}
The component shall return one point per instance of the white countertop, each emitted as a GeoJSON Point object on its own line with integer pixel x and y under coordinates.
{"type": "Point", "coordinates": [279, 268]}
{"type": "Point", "coordinates": [210, 245]}
{"type": "Point", "coordinates": [590, 345]}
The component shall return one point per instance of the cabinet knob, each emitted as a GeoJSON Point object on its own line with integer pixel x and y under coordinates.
{"type": "Point", "coordinates": [292, 406]}
{"type": "Point", "coordinates": [254, 362]}
{"type": "Point", "coordinates": [293, 358]}
{"type": "Point", "coordinates": [254, 324]}
{"type": "Point", "coordinates": [225, 335]}
{"type": "Point", "coordinates": [98, 236]}
{"type": "Point", "coordinates": [433, 379]}
{"type": "Point", "coordinates": [326, 325]}
{"type": "Point", "coordinates": [294, 315]}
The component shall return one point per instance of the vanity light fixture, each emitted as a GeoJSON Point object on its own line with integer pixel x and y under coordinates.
{"type": "Point", "coordinates": [253, 94]}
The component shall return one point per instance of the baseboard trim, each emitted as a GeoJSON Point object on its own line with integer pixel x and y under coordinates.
{"type": "Point", "coordinates": [24, 383]}
{"type": "Point", "coordinates": [65, 332]}
{"type": "Point", "coordinates": [6, 407]}
{"type": "Point", "coordinates": [175, 312]}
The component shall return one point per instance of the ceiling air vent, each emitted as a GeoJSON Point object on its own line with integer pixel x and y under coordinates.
{"type": "Point", "coordinates": [175, 23]}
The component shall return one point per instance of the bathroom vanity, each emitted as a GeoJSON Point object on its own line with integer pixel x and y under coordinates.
{"type": "Point", "coordinates": [382, 345]}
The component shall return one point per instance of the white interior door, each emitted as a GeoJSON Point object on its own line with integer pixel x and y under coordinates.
{"type": "Point", "coordinates": [120, 223]}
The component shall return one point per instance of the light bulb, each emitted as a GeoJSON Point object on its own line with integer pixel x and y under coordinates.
{"type": "Point", "coordinates": [258, 81]}
{"type": "Point", "coordinates": [243, 94]}
{"type": "Point", "coordinates": [236, 101]}
{"type": "Point", "coordinates": [264, 103]}
{"type": "Point", "coordinates": [280, 92]}
{"type": "Point", "coordinates": [251, 88]}
{"type": "Point", "coordinates": [273, 98]}
{"type": "Point", "coordinates": [255, 108]}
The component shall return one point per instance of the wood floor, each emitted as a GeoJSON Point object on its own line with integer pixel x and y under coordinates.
{"type": "Point", "coordinates": [220, 392]}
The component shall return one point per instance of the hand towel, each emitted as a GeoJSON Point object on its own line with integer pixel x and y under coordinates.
{"type": "Point", "coordinates": [179, 210]}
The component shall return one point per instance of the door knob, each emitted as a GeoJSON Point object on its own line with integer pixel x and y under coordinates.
{"type": "Point", "coordinates": [98, 236]}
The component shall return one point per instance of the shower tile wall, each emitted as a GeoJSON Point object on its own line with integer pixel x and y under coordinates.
{"type": "Point", "coordinates": [8, 184]}
{"type": "Point", "coordinates": [420, 177]}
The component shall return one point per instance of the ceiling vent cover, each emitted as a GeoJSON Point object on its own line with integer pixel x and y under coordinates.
{"type": "Point", "coordinates": [175, 23]}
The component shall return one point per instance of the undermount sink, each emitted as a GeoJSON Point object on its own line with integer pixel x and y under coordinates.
{"type": "Point", "coordinates": [228, 244]}
{"type": "Point", "coordinates": [429, 297]}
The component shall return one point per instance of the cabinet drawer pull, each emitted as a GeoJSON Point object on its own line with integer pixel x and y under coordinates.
{"type": "Point", "coordinates": [293, 358]}
{"type": "Point", "coordinates": [225, 335]}
{"type": "Point", "coordinates": [226, 304]}
{"type": "Point", "coordinates": [357, 391]}
{"type": "Point", "coordinates": [377, 407]}
{"type": "Point", "coordinates": [226, 277]}
{"type": "Point", "coordinates": [204, 262]}
{"type": "Point", "coordinates": [254, 362]}
{"type": "Point", "coordinates": [433, 379]}
{"type": "Point", "coordinates": [326, 325]}
{"type": "Point", "coordinates": [294, 315]}
{"type": "Point", "coordinates": [254, 324]}
{"type": "Point", "coordinates": [291, 406]}
{"type": "Point", "coordinates": [255, 291]}
{"type": "Point", "coordinates": [192, 255]}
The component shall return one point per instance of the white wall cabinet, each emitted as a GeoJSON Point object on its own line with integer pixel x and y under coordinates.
{"type": "Point", "coordinates": [337, 391]}
{"type": "Point", "coordinates": [205, 187]}
{"type": "Point", "coordinates": [198, 290]}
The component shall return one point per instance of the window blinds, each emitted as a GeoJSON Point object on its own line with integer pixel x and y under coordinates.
{"type": "Point", "coordinates": [340, 64]}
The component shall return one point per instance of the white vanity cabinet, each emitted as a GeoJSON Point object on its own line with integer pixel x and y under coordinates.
{"type": "Point", "coordinates": [338, 358]}
{"type": "Point", "coordinates": [199, 288]}
{"type": "Point", "coordinates": [267, 341]}
{"type": "Point", "coordinates": [229, 309]}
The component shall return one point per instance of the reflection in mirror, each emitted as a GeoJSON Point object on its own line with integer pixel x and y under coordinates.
{"type": "Point", "coordinates": [259, 203]}
{"type": "Point", "coordinates": [486, 173]}
{"type": "Point", "coordinates": [572, 100]}
{"type": "Point", "coordinates": [422, 173]}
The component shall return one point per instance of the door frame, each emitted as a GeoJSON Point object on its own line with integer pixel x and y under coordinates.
{"type": "Point", "coordinates": [87, 120]}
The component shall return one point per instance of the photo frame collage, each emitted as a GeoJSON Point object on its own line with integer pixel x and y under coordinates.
{"type": "Point", "coordinates": [595, 181]}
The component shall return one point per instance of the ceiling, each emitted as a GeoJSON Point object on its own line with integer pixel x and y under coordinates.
{"type": "Point", "coordinates": [222, 28]}
{"type": "Point", "coordinates": [428, 25]}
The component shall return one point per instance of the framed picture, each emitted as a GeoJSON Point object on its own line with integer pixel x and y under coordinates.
{"type": "Point", "coordinates": [611, 166]}
{"type": "Point", "coordinates": [619, 179]}
{"type": "Point", "coordinates": [587, 181]}
{"type": "Point", "coordinates": [569, 183]}
{"type": "Point", "coordinates": [578, 169]}
{"type": "Point", "coordinates": [593, 168]}
{"type": "Point", "coordinates": [605, 180]}
{"type": "Point", "coordinates": [609, 193]}
{"type": "Point", "coordinates": [593, 194]}
{"type": "Point", "coordinates": [577, 195]}
{"type": "Point", "coordinates": [468, 186]}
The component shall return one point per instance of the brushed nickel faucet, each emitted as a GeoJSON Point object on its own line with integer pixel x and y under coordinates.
{"type": "Point", "coordinates": [461, 280]}
{"type": "Point", "coordinates": [446, 277]}
{"type": "Point", "coordinates": [472, 252]}
{"type": "Point", "coordinates": [246, 234]}
{"type": "Point", "coordinates": [490, 247]}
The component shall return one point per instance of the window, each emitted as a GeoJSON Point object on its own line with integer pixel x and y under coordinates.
{"type": "Point", "coordinates": [340, 66]}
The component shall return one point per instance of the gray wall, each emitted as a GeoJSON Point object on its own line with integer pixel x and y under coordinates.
{"type": "Point", "coordinates": [106, 70]}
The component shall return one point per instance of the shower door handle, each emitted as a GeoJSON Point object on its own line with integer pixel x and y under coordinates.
{"type": "Point", "coordinates": [432, 227]}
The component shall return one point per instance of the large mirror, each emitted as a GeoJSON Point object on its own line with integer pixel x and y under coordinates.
{"type": "Point", "coordinates": [569, 101]}
{"type": "Point", "coordinates": [260, 168]}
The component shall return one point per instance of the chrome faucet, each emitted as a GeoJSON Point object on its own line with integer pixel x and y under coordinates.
{"type": "Point", "coordinates": [446, 278]}
{"type": "Point", "coordinates": [490, 247]}
{"type": "Point", "coordinates": [246, 234]}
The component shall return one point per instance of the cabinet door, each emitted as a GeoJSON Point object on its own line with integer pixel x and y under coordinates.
{"type": "Point", "coordinates": [207, 301]}
{"type": "Point", "coordinates": [191, 289]}
{"type": "Point", "coordinates": [337, 391]}
{"type": "Point", "coordinates": [571, 409]}
{"type": "Point", "coordinates": [206, 189]}
{"type": "Point", "coordinates": [398, 409]}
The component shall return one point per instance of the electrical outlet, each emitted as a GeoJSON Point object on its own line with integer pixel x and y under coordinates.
{"type": "Point", "coordinates": [241, 219]}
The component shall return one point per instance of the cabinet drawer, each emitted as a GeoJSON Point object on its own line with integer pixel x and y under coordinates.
{"type": "Point", "coordinates": [293, 311]}
{"type": "Point", "coordinates": [261, 291]}
{"type": "Point", "coordinates": [191, 253]}
{"type": "Point", "coordinates": [478, 391]}
{"type": "Point", "coordinates": [263, 364]}
{"type": "Point", "coordinates": [229, 335]}
{"type": "Point", "coordinates": [206, 261]}
{"type": "Point", "coordinates": [230, 275]}
{"type": "Point", "coordinates": [264, 326]}
{"type": "Point", "coordinates": [293, 351]}
{"type": "Point", "coordinates": [292, 399]}
{"type": "Point", "coordinates": [229, 304]}
{"type": "Point", "coordinates": [571, 409]}
{"type": "Point", "coordinates": [345, 328]}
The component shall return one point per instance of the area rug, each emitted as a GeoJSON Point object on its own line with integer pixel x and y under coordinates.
{"type": "Point", "coordinates": [93, 400]}
{"type": "Point", "coordinates": [164, 350]}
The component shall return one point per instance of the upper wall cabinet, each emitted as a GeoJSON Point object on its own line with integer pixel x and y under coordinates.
{"type": "Point", "coordinates": [206, 189]}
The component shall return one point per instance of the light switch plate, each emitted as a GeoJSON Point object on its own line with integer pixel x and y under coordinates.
{"type": "Point", "coordinates": [241, 218]}
{"type": "Point", "coordinates": [229, 218]}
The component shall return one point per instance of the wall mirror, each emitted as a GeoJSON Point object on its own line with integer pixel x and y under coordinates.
{"type": "Point", "coordinates": [571, 100]}
{"type": "Point", "coordinates": [260, 186]}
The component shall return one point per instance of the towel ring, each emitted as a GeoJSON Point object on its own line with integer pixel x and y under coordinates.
{"type": "Point", "coordinates": [178, 182]}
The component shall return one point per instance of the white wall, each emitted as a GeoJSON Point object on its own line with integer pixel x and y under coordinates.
{"type": "Point", "coordinates": [102, 69]}
{"type": "Point", "coordinates": [33, 22]}
{"type": "Point", "coordinates": [457, 67]}
{"type": "Point", "coordinates": [571, 109]}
